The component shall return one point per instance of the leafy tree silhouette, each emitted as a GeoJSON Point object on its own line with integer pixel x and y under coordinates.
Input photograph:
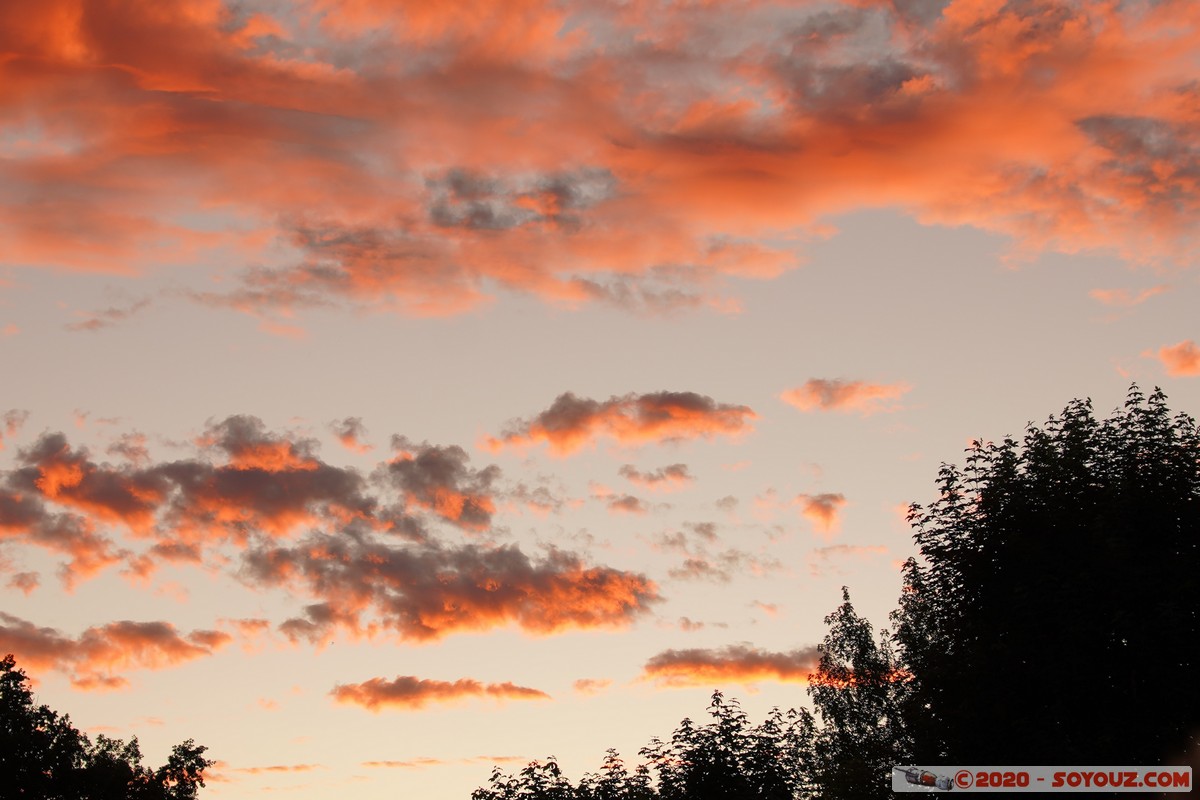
{"type": "Point", "coordinates": [1056, 615]}
{"type": "Point", "coordinates": [725, 758]}
{"type": "Point", "coordinates": [43, 756]}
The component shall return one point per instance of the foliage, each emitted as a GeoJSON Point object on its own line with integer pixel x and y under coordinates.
{"type": "Point", "coordinates": [857, 691]}
{"type": "Point", "coordinates": [43, 756]}
{"type": "Point", "coordinates": [726, 758]}
{"type": "Point", "coordinates": [1056, 613]}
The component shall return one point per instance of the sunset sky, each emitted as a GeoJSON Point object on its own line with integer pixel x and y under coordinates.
{"type": "Point", "coordinates": [395, 389]}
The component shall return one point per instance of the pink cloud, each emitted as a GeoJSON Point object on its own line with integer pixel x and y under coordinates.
{"type": "Point", "coordinates": [1182, 359]}
{"type": "Point", "coordinates": [846, 396]}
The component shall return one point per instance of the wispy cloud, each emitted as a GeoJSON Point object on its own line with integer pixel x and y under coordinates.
{"type": "Point", "coordinates": [857, 397]}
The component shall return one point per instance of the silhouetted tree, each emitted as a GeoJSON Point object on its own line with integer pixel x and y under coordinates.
{"type": "Point", "coordinates": [723, 760]}
{"type": "Point", "coordinates": [43, 756]}
{"type": "Point", "coordinates": [1056, 614]}
{"type": "Point", "coordinates": [858, 695]}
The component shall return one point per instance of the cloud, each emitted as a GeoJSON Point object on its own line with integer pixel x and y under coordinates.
{"type": "Point", "coordinates": [732, 664]}
{"type": "Point", "coordinates": [350, 432]}
{"type": "Point", "coordinates": [277, 768]}
{"type": "Point", "coordinates": [12, 421]}
{"type": "Point", "coordinates": [591, 686]}
{"type": "Point", "coordinates": [107, 317]}
{"type": "Point", "coordinates": [572, 423]}
{"type": "Point", "coordinates": [821, 558]}
{"type": "Point", "coordinates": [24, 582]}
{"type": "Point", "coordinates": [1182, 359]}
{"type": "Point", "coordinates": [668, 478]}
{"type": "Point", "coordinates": [440, 479]}
{"type": "Point", "coordinates": [822, 510]}
{"type": "Point", "coordinates": [626, 504]}
{"type": "Point", "coordinates": [425, 592]}
{"type": "Point", "coordinates": [410, 693]}
{"type": "Point", "coordinates": [93, 659]}
{"type": "Point", "coordinates": [818, 394]}
{"type": "Point", "coordinates": [1124, 297]}
{"type": "Point", "coordinates": [596, 154]}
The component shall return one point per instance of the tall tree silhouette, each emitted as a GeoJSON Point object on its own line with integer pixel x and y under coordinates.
{"type": "Point", "coordinates": [44, 757]}
{"type": "Point", "coordinates": [857, 691]}
{"type": "Point", "coordinates": [1056, 614]}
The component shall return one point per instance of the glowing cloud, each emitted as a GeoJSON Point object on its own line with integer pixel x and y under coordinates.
{"type": "Point", "coordinates": [822, 510]}
{"type": "Point", "coordinates": [99, 652]}
{"type": "Point", "coordinates": [845, 396]}
{"type": "Point", "coordinates": [409, 692]}
{"type": "Point", "coordinates": [732, 664]}
{"type": "Point", "coordinates": [572, 423]}
{"type": "Point", "coordinates": [1182, 359]}
{"type": "Point", "coordinates": [425, 592]}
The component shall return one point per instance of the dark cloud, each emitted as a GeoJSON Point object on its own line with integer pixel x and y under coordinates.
{"type": "Point", "coordinates": [669, 477]}
{"type": "Point", "coordinates": [424, 592]}
{"type": "Point", "coordinates": [465, 199]}
{"type": "Point", "coordinates": [626, 504]}
{"type": "Point", "coordinates": [442, 480]}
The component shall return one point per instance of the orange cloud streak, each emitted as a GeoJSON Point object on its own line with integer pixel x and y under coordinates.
{"type": "Point", "coordinates": [845, 396]}
{"type": "Point", "coordinates": [572, 423]}
{"type": "Point", "coordinates": [409, 692]}
{"type": "Point", "coordinates": [733, 664]}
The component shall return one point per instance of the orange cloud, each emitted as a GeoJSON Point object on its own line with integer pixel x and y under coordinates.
{"type": "Point", "coordinates": [822, 510]}
{"type": "Point", "coordinates": [572, 423]}
{"type": "Point", "coordinates": [846, 396]}
{"type": "Point", "coordinates": [439, 479]}
{"type": "Point", "coordinates": [1182, 359]}
{"type": "Point", "coordinates": [732, 664]}
{"type": "Point", "coordinates": [552, 154]}
{"type": "Point", "coordinates": [425, 592]}
{"type": "Point", "coordinates": [1123, 297]}
{"type": "Point", "coordinates": [409, 692]}
{"type": "Point", "coordinates": [92, 659]}
{"type": "Point", "coordinates": [591, 685]}
{"type": "Point", "coordinates": [350, 433]}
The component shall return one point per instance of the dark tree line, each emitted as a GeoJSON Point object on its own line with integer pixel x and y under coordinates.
{"type": "Point", "coordinates": [44, 757]}
{"type": "Point", "coordinates": [1051, 618]}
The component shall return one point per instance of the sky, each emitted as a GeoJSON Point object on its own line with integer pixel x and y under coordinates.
{"type": "Point", "coordinates": [393, 390]}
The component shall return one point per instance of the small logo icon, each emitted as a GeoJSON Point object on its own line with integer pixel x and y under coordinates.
{"type": "Point", "coordinates": [964, 779]}
{"type": "Point", "coordinates": [923, 777]}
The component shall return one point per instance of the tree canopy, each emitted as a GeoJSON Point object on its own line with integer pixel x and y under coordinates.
{"type": "Point", "coordinates": [1051, 616]}
{"type": "Point", "coordinates": [44, 757]}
